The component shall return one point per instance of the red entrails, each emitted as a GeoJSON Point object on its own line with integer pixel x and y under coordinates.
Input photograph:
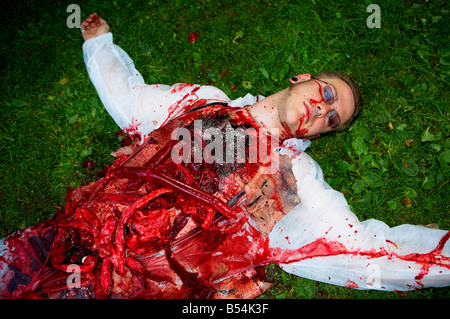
{"type": "Point", "coordinates": [137, 220]}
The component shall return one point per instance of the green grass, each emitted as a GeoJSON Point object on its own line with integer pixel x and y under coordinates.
{"type": "Point", "coordinates": [52, 121]}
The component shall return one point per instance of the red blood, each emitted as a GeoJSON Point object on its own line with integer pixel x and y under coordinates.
{"type": "Point", "coordinates": [181, 86]}
{"type": "Point", "coordinates": [146, 203]}
{"type": "Point", "coordinates": [301, 131]}
{"type": "Point", "coordinates": [286, 133]}
{"type": "Point", "coordinates": [192, 38]}
{"type": "Point", "coordinates": [126, 141]}
{"type": "Point", "coordinates": [434, 257]}
{"type": "Point", "coordinates": [312, 101]}
{"type": "Point", "coordinates": [88, 164]}
{"type": "Point", "coordinates": [351, 284]}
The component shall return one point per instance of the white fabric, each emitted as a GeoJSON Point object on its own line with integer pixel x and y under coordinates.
{"type": "Point", "coordinates": [324, 213]}
{"type": "Point", "coordinates": [134, 105]}
{"type": "Point", "coordinates": [374, 249]}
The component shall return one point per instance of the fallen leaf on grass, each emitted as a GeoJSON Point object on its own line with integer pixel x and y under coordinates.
{"type": "Point", "coordinates": [238, 35]}
{"type": "Point", "coordinates": [428, 137]}
{"type": "Point", "coordinates": [408, 142]}
{"type": "Point", "coordinates": [407, 202]}
{"type": "Point", "coordinates": [247, 84]}
{"type": "Point", "coordinates": [410, 168]}
{"type": "Point", "coordinates": [391, 127]}
{"type": "Point", "coordinates": [64, 81]}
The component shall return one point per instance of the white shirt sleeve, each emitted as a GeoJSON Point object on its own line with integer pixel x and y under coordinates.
{"type": "Point", "coordinates": [135, 106]}
{"type": "Point", "coordinates": [333, 246]}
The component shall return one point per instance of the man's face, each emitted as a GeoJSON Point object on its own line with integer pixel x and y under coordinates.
{"type": "Point", "coordinates": [313, 107]}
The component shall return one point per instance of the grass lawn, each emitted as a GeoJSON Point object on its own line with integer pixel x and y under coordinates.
{"type": "Point", "coordinates": [392, 165]}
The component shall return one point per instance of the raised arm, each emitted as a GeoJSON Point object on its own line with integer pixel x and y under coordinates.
{"type": "Point", "coordinates": [134, 105]}
{"type": "Point", "coordinates": [114, 76]}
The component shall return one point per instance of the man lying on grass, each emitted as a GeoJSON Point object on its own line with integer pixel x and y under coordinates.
{"type": "Point", "coordinates": [317, 238]}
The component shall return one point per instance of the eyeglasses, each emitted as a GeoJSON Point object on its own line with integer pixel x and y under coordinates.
{"type": "Point", "coordinates": [328, 96]}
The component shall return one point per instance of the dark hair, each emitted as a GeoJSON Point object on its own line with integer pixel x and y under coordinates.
{"type": "Point", "coordinates": [353, 86]}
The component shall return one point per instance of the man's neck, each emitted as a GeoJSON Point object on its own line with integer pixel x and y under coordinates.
{"type": "Point", "coordinates": [265, 112]}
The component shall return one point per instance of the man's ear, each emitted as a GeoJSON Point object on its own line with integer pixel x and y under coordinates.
{"type": "Point", "coordinates": [300, 78]}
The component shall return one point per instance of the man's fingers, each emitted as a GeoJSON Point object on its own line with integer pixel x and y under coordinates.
{"type": "Point", "coordinates": [93, 18]}
{"type": "Point", "coordinates": [85, 25]}
{"type": "Point", "coordinates": [89, 22]}
{"type": "Point", "coordinates": [93, 25]}
{"type": "Point", "coordinates": [86, 22]}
